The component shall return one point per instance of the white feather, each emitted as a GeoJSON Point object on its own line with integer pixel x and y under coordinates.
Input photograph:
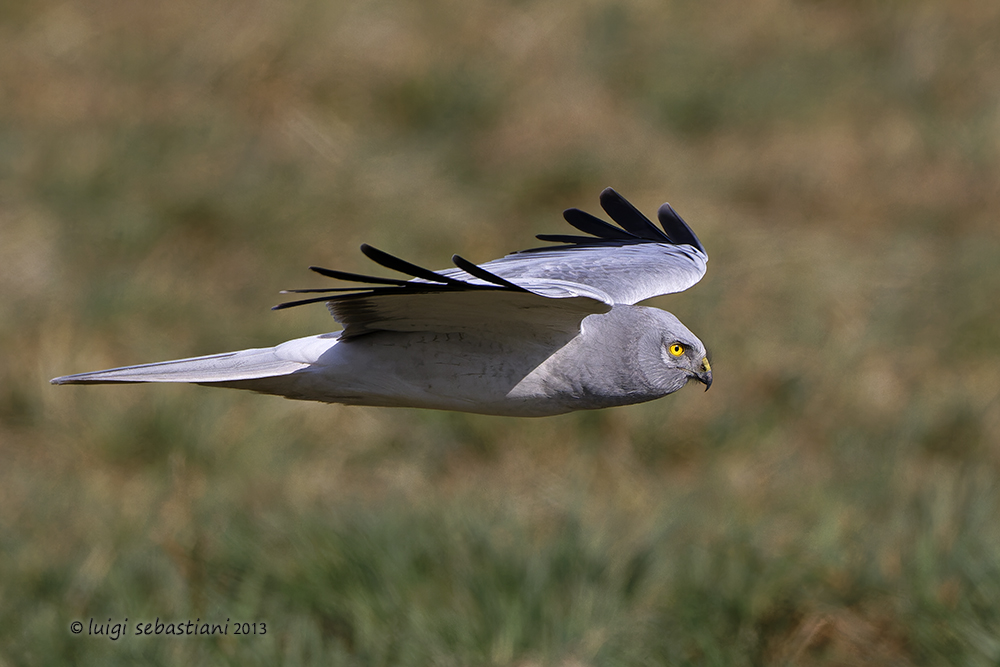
{"type": "Point", "coordinates": [283, 359]}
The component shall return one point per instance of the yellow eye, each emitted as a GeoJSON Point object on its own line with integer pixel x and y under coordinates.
{"type": "Point", "coordinates": [676, 349]}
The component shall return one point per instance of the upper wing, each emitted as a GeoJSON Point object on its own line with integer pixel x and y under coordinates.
{"type": "Point", "coordinates": [550, 288]}
{"type": "Point", "coordinates": [629, 264]}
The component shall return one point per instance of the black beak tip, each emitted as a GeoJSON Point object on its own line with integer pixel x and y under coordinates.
{"type": "Point", "coordinates": [705, 379]}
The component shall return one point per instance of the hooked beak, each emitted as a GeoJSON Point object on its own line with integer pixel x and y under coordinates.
{"type": "Point", "coordinates": [705, 376]}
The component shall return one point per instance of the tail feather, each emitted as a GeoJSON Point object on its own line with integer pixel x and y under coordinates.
{"type": "Point", "coordinates": [226, 367]}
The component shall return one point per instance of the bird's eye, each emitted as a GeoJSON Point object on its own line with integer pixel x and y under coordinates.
{"type": "Point", "coordinates": [676, 349]}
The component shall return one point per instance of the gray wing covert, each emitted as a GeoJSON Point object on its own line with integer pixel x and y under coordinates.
{"type": "Point", "coordinates": [625, 273]}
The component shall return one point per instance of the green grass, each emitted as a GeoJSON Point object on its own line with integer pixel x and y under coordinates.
{"type": "Point", "coordinates": [165, 170]}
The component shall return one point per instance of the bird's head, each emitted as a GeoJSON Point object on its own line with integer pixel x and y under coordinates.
{"type": "Point", "coordinates": [672, 355]}
{"type": "Point", "coordinates": [689, 357]}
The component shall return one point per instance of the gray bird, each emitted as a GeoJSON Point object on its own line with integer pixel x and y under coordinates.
{"type": "Point", "coordinates": [539, 332]}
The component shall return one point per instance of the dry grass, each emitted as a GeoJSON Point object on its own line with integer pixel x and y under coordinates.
{"type": "Point", "coordinates": [165, 169]}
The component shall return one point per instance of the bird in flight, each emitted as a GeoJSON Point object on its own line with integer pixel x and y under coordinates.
{"type": "Point", "coordinates": [539, 332]}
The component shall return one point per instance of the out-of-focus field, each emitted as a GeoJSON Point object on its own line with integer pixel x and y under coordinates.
{"type": "Point", "coordinates": [166, 168]}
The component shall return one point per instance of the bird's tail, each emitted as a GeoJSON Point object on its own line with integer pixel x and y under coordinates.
{"type": "Point", "coordinates": [254, 364]}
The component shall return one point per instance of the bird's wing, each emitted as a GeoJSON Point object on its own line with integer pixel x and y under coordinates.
{"type": "Point", "coordinates": [549, 289]}
{"type": "Point", "coordinates": [482, 303]}
{"type": "Point", "coordinates": [629, 264]}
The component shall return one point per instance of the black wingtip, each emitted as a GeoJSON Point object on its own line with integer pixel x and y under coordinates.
{"type": "Point", "coordinates": [675, 227]}
{"type": "Point", "coordinates": [589, 224]}
{"type": "Point", "coordinates": [566, 238]}
{"type": "Point", "coordinates": [484, 275]}
{"type": "Point", "coordinates": [302, 302]}
{"type": "Point", "coordinates": [355, 277]}
{"type": "Point", "coordinates": [401, 265]}
{"type": "Point", "coordinates": [610, 197]}
{"type": "Point", "coordinates": [629, 217]}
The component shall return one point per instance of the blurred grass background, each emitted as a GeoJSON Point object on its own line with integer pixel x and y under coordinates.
{"type": "Point", "coordinates": [166, 168]}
